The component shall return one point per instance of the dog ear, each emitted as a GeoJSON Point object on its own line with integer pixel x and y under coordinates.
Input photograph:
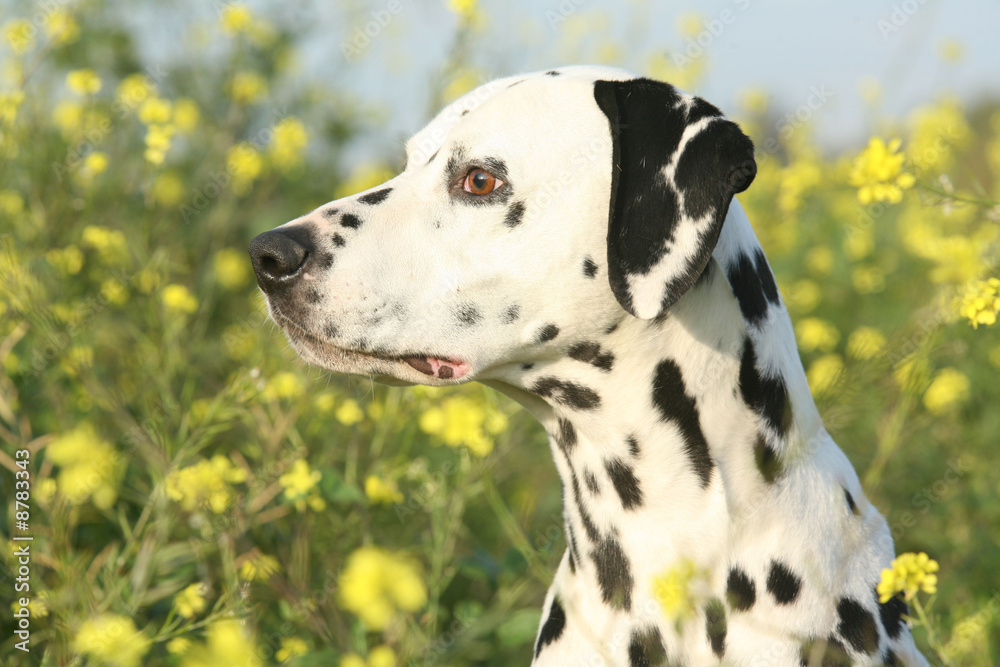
{"type": "Point", "coordinates": [677, 162]}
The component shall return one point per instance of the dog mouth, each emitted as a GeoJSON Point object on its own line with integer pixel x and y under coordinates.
{"type": "Point", "coordinates": [432, 366]}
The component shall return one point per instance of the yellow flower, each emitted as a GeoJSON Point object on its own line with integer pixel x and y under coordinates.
{"type": "Point", "coordinates": [878, 173]}
{"type": "Point", "coordinates": [158, 140]}
{"type": "Point", "coordinates": [11, 203]}
{"type": "Point", "coordinates": [466, 9]}
{"type": "Point", "coordinates": [908, 574]}
{"type": "Point", "coordinates": [376, 584]}
{"type": "Point", "coordinates": [88, 466]}
{"type": "Point", "coordinates": [205, 484]}
{"type": "Point", "coordinates": [912, 374]}
{"type": "Point", "coordinates": [289, 140]}
{"type": "Point", "coordinates": [300, 486]}
{"type": "Point", "coordinates": [114, 291]}
{"type": "Point", "coordinates": [324, 401]}
{"type": "Point", "coordinates": [134, 90]}
{"type": "Point", "coordinates": [948, 389]}
{"type": "Point", "coordinates": [936, 131]}
{"type": "Point", "coordinates": [868, 279]}
{"type": "Point", "coordinates": [68, 260]}
{"type": "Point", "coordinates": [283, 385]}
{"type": "Point", "coordinates": [245, 164]}
{"type": "Point", "coordinates": [112, 639]}
{"type": "Point", "coordinates": [167, 189]}
{"type": "Point", "coordinates": [236, 18]}
{"type": "Point", "coordinates": [155, 111]}
{"type": "Point", "coordinates": [61, 27]}
{"type": "Point", "coordinates": [379, 490]}
{"type": "Point", "coordinates": [68, 117]}
{"type": "Point", "coordinates": [94, 164]}
{"type": "Point", "coordinates": [362, 178]}
{"type": "Point", "coordinates": [110, 244]}
{"type": "Point", "coordinates": [819, 260]}
{"type": "Point", "coordinates": [20, 35]}
{"type": "Point", "coordinates": [675, 591]}
{"type": "Point", "coordinates": [460, 420]}
{"type": "Point", "coordinates": [291, 647]}
{"type": "Point", "coordinates": [191, 601]}
{"type": "Point", "coordinates": [83, 81]}
{"type": "Point", "coordinates": [816, 334]}
{"type": "Point", "coordinates": [186, 114]}
{"type": "Point", "coordinates": [247, 87]}
{"type": "Point", "coordinates": [178, 298]}
{"type": "Point", "coordinates": [259, 567]}
{"type": "Point", "coordinates": [232, 268]}
{"type": "Point", "coordinates": [865, 343]}
{"type": "Point", "coordinates": [802, 296]}
{"type": "Point", "coordinates": [349, 413]}
{"type": "Point", "coordinates": [178, 645]}
{"type": "Point", "coordinates": [227, 644]}
{"type": "Point", "coordinates": [9, 104]}
{"type": "Point", "coordinates": [824, 373]}
{"type": "Point", "coordinates": [382, 656]}
{"type": "Point", "coordinates": [981, 302]}
{"type": "Point", "coordinates": [352, 660]}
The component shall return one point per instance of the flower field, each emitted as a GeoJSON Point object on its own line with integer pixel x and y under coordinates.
{"type": "Point", "coordinates": [197, 496]}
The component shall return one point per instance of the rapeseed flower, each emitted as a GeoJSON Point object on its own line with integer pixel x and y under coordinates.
{"type": "Point", "coordinates": [134, 90]}
{"type": "Point", "coordinates": [824, 373]}
{"type": "Point", "coordinates": [226, 644]}
{"type": "Point", "coordinates": [291, 647]}
{"type": "Point", "coordinates": [909, 573]}
{"type": "Point", "coordinates": [285, 149]}
{"type": "Point", "coordinates": [167, 188]}
{"type": "Point", "coordinates": [947, 390]}
{"type": "Point", "coordinates": [61, 27]}
{"type": "Point", "coordinates": [206, 484]}
{"type": "Point", "coordinates": [376, 584]}
{"type": "Point", "coordinates": [191, 601]}
{"type": "Point", "coordinates": [981, 302]}
{"type": "Point", "coordinates": [459, 420]}
{"type": "Point", "coordinates": [380, 490]}
{"type": "Point", "coordinates": [285, 385]}
{"type": "Point", "coordinates": [349, 413]}
{"type": "Point", "coordinates": [232, 269]}
{"type": "Point", "coordinates": [155, 111]}
{"type": "Point", "coordinates": [816, 334]}
{"type": "Point", "coordinates": [676, 592]}
{"type": "Point", "coordinates": [259, 566]}
{"type": "Point", "coordinates": [83, 82]}
{"type": "Point", "coordinates": [236, 19]}
{"type": "Point", "coordinates": [865, 343]}
{"type": "Point", "coordinates": [300, 486]}
{"type": "Point", "coordinates": [20, 35]}
{"type": "Point", "coordinates": [247, 87]}
{"type": "Point", "coordinates": [878, 173]}
{"type": "Point", "coordinates": [111, 639]}
{"type": "Point", "coordinates": [186, 114]}
{"type": "Point", "coordinates": [178, 299]}
{"type": "Point", "coordinates": [88, 466]}
{"type": "Point", "coordinates": [245, 164]}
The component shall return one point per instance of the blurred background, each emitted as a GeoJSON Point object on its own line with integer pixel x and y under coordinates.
{"type": "Point", "coordinates": [198, 496]}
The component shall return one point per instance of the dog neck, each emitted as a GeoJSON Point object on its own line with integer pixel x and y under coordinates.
{"type": "Point", "coordinates": [669, 433]}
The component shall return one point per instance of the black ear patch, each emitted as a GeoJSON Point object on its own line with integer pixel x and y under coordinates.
{"type": "Point", "coordinates": [676, 164]}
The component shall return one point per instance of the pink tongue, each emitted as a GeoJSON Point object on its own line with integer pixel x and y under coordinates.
{"type": "Point", "coordinates": [438, 368]}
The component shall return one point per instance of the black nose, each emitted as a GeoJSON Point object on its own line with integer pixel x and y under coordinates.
{"type": "Point", "coordinates": [278, 255]}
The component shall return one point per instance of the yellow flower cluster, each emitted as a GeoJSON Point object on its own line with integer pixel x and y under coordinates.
{"type": "Point", "coordinates": [909, 573]}
{"type": "Point", "coordinates": [88, 466]}
{"type": "Point", "coordinates": [816, 334]}
{"type": "Point", "coordinates": [381, 490]}
{"type": "Point", "coordinates": [247, 87]}
{"type": "Point", "coordinates": [300, 487]}
{"type": "Point", "coordinates": [461, 420]}
{"type": "Point", "coordinates": [246, 165]}
{"type": "Point", "coordinates": [380, 656]}
{"type": "Point", "coordinates": [20, 35]}
{"type": "Point", "coordinates": [948, 390]}
{"type": "Point", "coordinates": [162, 118]}
{"type": "Point", "coordinates": [236, 18]}
{"type": "Point", "coordinates": [191, 601]}
{"type": "Point", "coordinates": [283, 385]}
{"type": "Point", "coordinates": [349, 412]}
{"type": "Point", "coordinates": [824, 373]}
{"type": "Point", "coordinates": [675, 591]}
{"type": "Point", "coordinates": [865, 343]}
{"type": "Point", "coordinates": [111, 639]}
{"type": "Point", "coordinates": [206, 484]}
{"type": "Point", "coordinates": [110, 244]}
{"type": "Point", "coordinates": [981, 302]}
{"type": "Point", "coordinates": [377, 584]}
{"type": "Point", "coordinates": [225, 644]}
{"type": "Point", "coordinates": [232, 269]}
{"type": "Point", "coordinates": [259, 566]}
{"type": "Point", "coordinates": [288, 143]}
{"type": "Point", "coordinates": [61, 27]}
{"type": "Point", "coordinates": [878, 173]}
{"type": "Point", "coordinates": [291, 647]}
{"type": "Point", "coordinates": [178, 299]}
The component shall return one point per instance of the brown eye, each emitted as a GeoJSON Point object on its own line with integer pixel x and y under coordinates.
{"type": "Point", "coordinates": [480, 182]}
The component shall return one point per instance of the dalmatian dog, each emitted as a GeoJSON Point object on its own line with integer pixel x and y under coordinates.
{"type": "Point", "coordinates": [571, 239]}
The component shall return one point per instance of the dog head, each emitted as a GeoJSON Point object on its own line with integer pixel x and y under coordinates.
{"type": "Point", "coordinates": [532, 212]}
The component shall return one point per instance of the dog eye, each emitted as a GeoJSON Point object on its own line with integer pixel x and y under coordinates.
{"type": "Point", "coordinates": [480, 182]}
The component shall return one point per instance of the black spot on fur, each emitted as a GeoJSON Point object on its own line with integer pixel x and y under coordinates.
{"type": "Point", "coordinates": [329, 213]}
{"type": "Point", "coordinates": [782, 583]}
{"type": "Point", "coordinates": [338, 240]}
{"type": "Point", "coordinates": [589, 267]}
{"type": "Point", "coordinates": [825, 653]}
{"type": "Point", "coordinates": [431, 158]}
{"type": "Point", "coordinates": [468, 315]}
{"type": "Point", "coordinates": [766, 459]}
{"type": "Point", "coordinates": [330, 330]}
{"type": "Point", "coordinates": [891, 614]}
{"type": "Point", "coordinates": [376, 197]}
{"type": "Point", "coordinates": [715, 626]}
{"type": "Point", "coordinates": [553, 627]}
{"type": "Point", "coordinates": [527, 367]}
{"type": "Point", "coordinates": [625, 482]}
{"type": "Point", "coordinates": [567, 393]}
{"type": "Point", "coordinates": [566, 438]}
{"type": "Point", "coordinates": [857, 626]}
{"type": "Point", "coordinates": [645, 648]}
{"type": "Point", "coordinates": [464, 112]}
{"type": "Point", "coordinates": [614, 573]}
{"type": "Point", "coordinates": [633, 445]}
{"type": "Point", "coordinates": [350, 221]}
{"type": "Point", "coordinates": [313, 296]}
{"type": "Point", "coordinates": [765, 396]}
{"type": "Point", "coordinates": [889, 659]}
{"type": "Point", "coordinates": [511, 314]}
{"type": "Point", "coordinates": [674, 404]}
{"type": "Point", "coordinates": [514, 214]}
{"type": "Point", "coordinates": [741, 593]}
{"type": "Point", "coordinates": [553, 72]}
{"type": "Point", "coordinates": [548, 333]}
{"type": "Point", "coordinates": [324, 261]}
{"type": "Point", "coordinates": [588, 523]}
{"type": "Point", "coordinates": [574, 550]}
{"type": "Point", "coordinates": [590, 352]}
{"type": "Point", "coordinates": [611, 329]}
{"type": "Point", "coordinates": [851, 505]}
{"type": "Point", "coordinates": [591, 480]}
{"type": "Point", "coordinates": [753, 285]}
